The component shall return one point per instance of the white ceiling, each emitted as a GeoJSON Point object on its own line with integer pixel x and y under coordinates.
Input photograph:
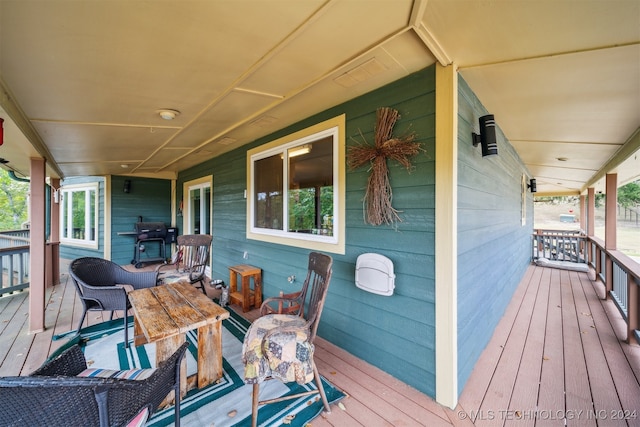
{"type": "Point", "coordinates": [82, 81]}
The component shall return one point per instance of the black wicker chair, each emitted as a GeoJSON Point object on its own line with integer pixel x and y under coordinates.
{"type": "Point", "coordinates": [54, 396]}
{"type": "Point", "coordinates": [99, 283]}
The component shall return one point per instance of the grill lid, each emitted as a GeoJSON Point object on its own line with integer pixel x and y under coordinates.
{"type": "Point", "coordinates": [151, 230]}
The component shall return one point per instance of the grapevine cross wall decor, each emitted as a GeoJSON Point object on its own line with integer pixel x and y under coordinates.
{"type": "Point", "coordinates": [377, 199]}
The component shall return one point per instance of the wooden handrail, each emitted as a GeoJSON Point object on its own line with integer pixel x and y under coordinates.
{"type": "Point", "coordinates": [621, 277]}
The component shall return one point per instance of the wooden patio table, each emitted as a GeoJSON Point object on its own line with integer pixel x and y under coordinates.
{"type": "Point", "coordinates": [163, 314]}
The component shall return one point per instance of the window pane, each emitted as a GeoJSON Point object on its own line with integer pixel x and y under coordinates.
{"type": "Point", "coordinates": [311, 188]}
{"type": "Point", "coordinates": [194, 199]}
{"type": "Point", "coordinates": [79, 215]}
{"type": "Point", "coordinates": [268, 198]}
{"type": "Point", "coordinates": [65, 215]}
{"type": "Point", "coordinates": [78, 207]}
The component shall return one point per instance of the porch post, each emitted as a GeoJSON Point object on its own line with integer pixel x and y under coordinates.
{"type": "Point", "coordinates": [584, 244]}
{"type": "Point", "coordinates": [591, 213]}
{"type": "Point", "coordinates": [37, 246]}
{"type": "Point", "coordinates": [610, 232]}
{"type": "Point", "coordinates": [446, 248]}
{"type": "Point", "coordinates": [583, 212]}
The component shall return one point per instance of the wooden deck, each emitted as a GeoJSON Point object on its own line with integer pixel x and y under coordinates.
{"type": "Point", "coordinates": [556, 354]}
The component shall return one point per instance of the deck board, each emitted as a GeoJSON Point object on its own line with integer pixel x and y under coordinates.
{"type": "Point", "coordinates": [558, 347]}
{"type": "Point", "coordinates": [526, 388]}
{"type": "Point", "coordinates": [577, 393]}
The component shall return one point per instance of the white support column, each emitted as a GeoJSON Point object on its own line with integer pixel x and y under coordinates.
{"type": "Point", "coordinates": [446, 247]}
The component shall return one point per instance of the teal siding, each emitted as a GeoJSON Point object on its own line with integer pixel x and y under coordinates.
{"type": "Point", "coordinates": [71, 252]}
{"type": "Point", "coordinates": [493, 245]}
{"type": "Point", "coordinates": [394, 333]}
{"type": "Point", "coordinates": [148, 198]}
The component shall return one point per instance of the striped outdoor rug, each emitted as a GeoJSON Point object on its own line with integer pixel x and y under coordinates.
{"type": "Point", "coordinates": [227, 403]}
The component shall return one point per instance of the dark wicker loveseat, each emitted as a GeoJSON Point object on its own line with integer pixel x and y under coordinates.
{"type": "Point", "coordinates": [55, 396]}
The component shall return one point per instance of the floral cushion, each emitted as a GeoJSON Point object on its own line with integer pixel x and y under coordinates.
{"type": "Point", "coordinates": [288, 356]}
{"type": "Point", "coordinates": [130, 374]}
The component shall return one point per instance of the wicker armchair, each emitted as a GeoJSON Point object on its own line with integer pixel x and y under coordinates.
{"type": "Point", "coordinates": [55, 396]}
{"type": "Point", "coordinates": [102, 285]}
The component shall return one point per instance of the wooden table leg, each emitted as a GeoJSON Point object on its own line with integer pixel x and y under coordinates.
{"type": "Point", "coordinates": [209, 354]}
{"type": "Point", "coordinates": [257, 280]}
{"type": "Point", "coordinates": [233, 281]}
{"type": "Point", "coordinates": [138, 335]}
{"type": "Point", "coordinates": [246, 292]}
{"type": "Point", "coordinates": [164, 349]}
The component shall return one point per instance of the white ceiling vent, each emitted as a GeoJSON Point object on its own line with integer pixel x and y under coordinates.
{"type": "Point", "coordinates": [360, 73]}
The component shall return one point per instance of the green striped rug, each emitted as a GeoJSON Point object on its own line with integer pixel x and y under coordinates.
{"type": "Point", "coordinates": [227, 403]}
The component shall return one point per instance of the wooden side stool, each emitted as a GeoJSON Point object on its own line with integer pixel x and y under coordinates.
{"type": "Point", "coordinates": [245, 297]}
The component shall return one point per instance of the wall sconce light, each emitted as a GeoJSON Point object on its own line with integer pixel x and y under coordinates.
{"type": "Point", "coordinates": [127, 186]}
{"type": "Point", "coordinates": [487, 137]}
{"type": "Point", "coordinates": [532, 185]}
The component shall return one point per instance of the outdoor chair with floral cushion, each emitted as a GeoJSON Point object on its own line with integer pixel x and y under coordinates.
{"type": "Point", "coordinates": [279, 345]}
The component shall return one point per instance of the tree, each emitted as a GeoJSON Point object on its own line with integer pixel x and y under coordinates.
{"type": "Point", "coordinates": [13, 202]}
{"type": "Point", "coordinates": [629, 195]}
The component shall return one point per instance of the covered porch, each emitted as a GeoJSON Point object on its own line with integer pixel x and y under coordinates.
{"type": "Point", "coordinates": [558, 355]}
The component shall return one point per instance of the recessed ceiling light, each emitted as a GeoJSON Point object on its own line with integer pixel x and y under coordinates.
{"type": "Point", "coordinates": [562, 159]}
{"type": "Point", "coordinates": [124, 166]}
{"type": "Point", "coordinates": [168, 114]}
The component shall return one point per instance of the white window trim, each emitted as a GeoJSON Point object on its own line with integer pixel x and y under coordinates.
{"type": "Point", "coordinates": [333, 244]}
{"type": "Point", "coordinates": [86, 243]}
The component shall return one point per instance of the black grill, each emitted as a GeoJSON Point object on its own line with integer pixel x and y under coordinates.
{"type": "Point", "coordinates": [151, 230]}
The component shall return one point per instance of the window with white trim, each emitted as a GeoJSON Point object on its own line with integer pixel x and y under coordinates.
{"type": "Point", "coordinates": [79, 215]}
{"type": "Point", "coordinates": [295, 189]}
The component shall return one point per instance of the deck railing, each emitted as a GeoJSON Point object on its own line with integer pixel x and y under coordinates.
{"type": "Point", "coordinates": [559, 245]}
{"type": "Point", "coordinates": [621, 277]}
{"type": "Point", "coordinates": [619, 273]}
{"type": "Point", "coordinates": [14, 260]}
